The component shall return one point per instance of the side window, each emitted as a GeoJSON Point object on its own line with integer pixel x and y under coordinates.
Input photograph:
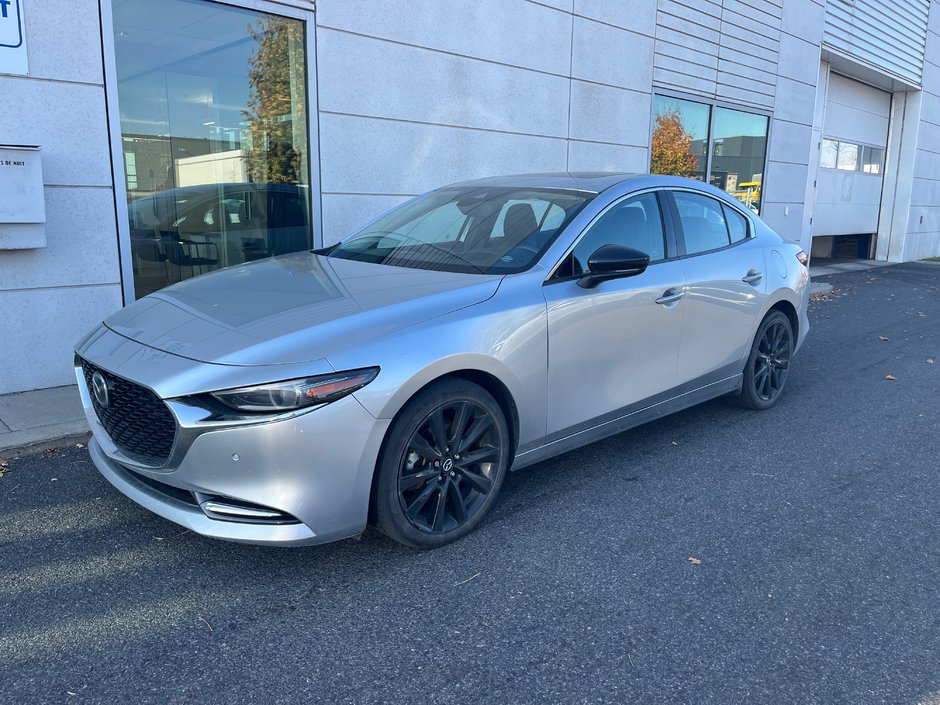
{"type": "Point", "coordinates": [703, 222]}
{"type": "Point", "coordinates": [737, 225]}
{"type": "Point", "coordinates": [635, 222]}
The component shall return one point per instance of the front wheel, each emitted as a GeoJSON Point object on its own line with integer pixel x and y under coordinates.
{"type": "Point", "coordinates": [442, 466]}
{"type": "Point", "coordinates": [765, 374]}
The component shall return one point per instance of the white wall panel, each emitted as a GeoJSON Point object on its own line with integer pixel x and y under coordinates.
{"type": "Point", "coordinates": [365, 76]}
{"type": "Point", "coordinates": [81, 243]}
{"type": "Point", "coordinates": [607, 114]}
{"type": "Point", "coordinates": [635, 15]}
{"type": "Point", "coordinates": [611, 55]}
{"type": "Point", "coordinates": [593, 156]}
{"type": "Point", "coordinates": [67, 120]}
{"type": "Point", "coordinates": [513, 32]}
{"type": "Point", "coordinates": [41, 326]}
{"type": "Point", "coordinates": [368, 155]}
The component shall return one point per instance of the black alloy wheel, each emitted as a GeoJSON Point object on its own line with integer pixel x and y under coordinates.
{"type": "Point", "coordinates": [451, 450]}
{"type": "Point", "coordinates": [768, 365]}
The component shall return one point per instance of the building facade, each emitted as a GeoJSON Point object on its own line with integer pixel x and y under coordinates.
{"type": "Point", "coordinates": [147, 141]}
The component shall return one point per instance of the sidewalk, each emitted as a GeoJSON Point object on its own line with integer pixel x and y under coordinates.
{"type": "Point", "coordinates": [45, 418]}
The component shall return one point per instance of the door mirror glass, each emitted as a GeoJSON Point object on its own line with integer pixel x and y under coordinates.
{"type": "Point", "coordinates": [613, 262]}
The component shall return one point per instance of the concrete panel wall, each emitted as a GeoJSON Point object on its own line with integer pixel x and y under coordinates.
{"type": "Point", "coordinates": [416, 95]}
{"type": "Point", "coordinates": [923, 226]}
{"type": "Point", "coordinates": [787, 204]}
{"type": "Point", "coordinates": [49, 297]}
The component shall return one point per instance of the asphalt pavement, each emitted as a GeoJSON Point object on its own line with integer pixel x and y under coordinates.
{"type": "Point", "coordinates": [815, 529]}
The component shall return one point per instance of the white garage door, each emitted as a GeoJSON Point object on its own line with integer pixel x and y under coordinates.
{"type": "Point", "coordinates": [851, 158]}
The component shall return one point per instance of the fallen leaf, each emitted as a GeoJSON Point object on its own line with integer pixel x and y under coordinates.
{"type": "Point", "coordinates": [695, 561]}
{"type": "Point", "coordinates": [890, 378]}
{"type": "Point", "coordinates": [883, 338]}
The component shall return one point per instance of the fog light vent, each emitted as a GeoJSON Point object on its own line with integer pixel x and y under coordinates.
{"type": "Point", "coordinates": [227, 509]}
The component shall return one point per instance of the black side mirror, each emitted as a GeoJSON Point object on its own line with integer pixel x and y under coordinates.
{"type": "Point", "coordinates": [613, 262]}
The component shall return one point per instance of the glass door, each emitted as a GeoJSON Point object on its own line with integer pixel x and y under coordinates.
{"type": "Point", "coordinates": [214, 136]}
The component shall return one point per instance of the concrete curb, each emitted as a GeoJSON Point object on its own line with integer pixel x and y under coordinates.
{"type": "Point", "coordinates": [22, 443]}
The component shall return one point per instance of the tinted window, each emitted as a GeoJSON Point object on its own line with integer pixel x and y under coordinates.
{"type": "Point", "coordinates": [703, 222]}
{"type": "Point", "coordinates": [737, 225]}
{"type": "Point", "coordinates": [485, 230]}
{"type": "Point", "coordinates": [635, 222]}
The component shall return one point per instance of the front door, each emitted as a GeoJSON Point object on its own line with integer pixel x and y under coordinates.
{"type": "Point", "coordinates": [613, 346]}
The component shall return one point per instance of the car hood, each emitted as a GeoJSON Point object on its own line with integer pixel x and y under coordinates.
{"type": "Point", "coordinates": [291, 309]}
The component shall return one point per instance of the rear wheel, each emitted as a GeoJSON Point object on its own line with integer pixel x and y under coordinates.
{"type": "Point", "coordinates": [765, 374]}
{"type": "Point", "coordinates": [443, 464]}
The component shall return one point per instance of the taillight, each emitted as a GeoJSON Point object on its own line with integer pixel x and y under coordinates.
{"type": "Point", "coordinates": [803, 258]}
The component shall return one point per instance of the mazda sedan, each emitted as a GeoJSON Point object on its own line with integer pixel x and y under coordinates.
{"type": "Point", "coordinates": [395, 377]}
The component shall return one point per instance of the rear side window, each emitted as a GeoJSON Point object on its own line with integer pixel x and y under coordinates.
{"type": "Point", "coordinates": [737, 225]}
{"type": "Point", "coordinates": [703, 222]}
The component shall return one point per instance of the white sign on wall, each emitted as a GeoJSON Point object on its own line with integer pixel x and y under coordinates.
{"type": "Point", "coordinates": [12, 38]}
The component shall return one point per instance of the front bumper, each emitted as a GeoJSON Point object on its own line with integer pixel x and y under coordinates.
{"type": "Point", "coordinates": [315, 467]}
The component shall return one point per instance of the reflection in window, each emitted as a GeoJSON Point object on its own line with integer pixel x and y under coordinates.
{"type": "Point", "coordinates": [703, 222]}
{"type": "Point", "coordinates": [848, 157]}
{"type": "Point", "coordinates": [829, 154]}
{"type": "Point", "coordinates": [635, 223]}
{"type": "Point", "coordinates": [680, 138]}
{"type": "Point", "coordinates": [872, 159]}
{"type": "Point", "coordinates": [214, 133]}
{"type": "Point", "coordinates": [739, 145]}
{"type": "Point", "coordinates": [685, 131]}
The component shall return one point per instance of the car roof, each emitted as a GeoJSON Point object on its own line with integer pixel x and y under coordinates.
{"type": "Point", "coordinates": [590, 181]}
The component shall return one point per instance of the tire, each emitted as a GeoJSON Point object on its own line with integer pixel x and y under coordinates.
{"type": "Point", "coordinates": [427, 496]}
{"type": "Point", "coordinates": [768, 365]}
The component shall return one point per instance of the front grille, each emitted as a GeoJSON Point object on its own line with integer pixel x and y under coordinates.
{"type": "Point", "coordinates": [136, 419]}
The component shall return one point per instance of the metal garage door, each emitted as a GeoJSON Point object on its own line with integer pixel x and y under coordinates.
{"type": "Point", "coordinates": [851, 158]}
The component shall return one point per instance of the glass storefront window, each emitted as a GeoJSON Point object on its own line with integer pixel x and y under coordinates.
{"type": "Point", "coordinates": [685, 131]}
{"type": "Point", "coordinates": [739, 145]}
{"type": "Point", "coordinates": [213, 105]}
{"type": "Point", "coordinates": [680, 138]}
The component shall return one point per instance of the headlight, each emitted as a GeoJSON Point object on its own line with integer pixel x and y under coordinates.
{"type": "Point", "coordinates": [296, 393]}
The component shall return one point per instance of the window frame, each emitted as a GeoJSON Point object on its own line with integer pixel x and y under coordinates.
{"type": "Point", "coordinates": [680, 232]}
{"type": "Point", "coordinates": [712, 104]}
{"type": "Point", "coordinates": [669, 233]}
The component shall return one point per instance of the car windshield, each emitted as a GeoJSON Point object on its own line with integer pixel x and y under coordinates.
{"type": "Point", "coordinates": [478, 230]}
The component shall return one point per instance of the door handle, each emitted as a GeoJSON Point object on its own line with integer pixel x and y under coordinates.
{"type": "Point", "coordinates": [752, 277]}
{"type": "Point", "coordinates": [670, 296]}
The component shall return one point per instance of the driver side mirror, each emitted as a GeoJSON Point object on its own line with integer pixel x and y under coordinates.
{"type": "Point", "coordinates": [613, 262]}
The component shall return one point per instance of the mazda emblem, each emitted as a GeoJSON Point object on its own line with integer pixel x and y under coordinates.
{"type": "Point", "coordinates": [99, 387]}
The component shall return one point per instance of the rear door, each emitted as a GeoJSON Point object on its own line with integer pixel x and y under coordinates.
{"type": "Point", "coordinates": [723, 265]}
{"type": "Point", "coordinates": [613, 346]}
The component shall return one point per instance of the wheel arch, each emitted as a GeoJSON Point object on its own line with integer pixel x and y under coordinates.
{"type": "Point", "coordinates": [487, 380]}
{"type": "Point", "coordinates": [786, 301]}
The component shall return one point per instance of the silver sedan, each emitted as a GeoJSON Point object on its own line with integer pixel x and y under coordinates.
{"type": "Point", "coordinates": [394, 378]}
